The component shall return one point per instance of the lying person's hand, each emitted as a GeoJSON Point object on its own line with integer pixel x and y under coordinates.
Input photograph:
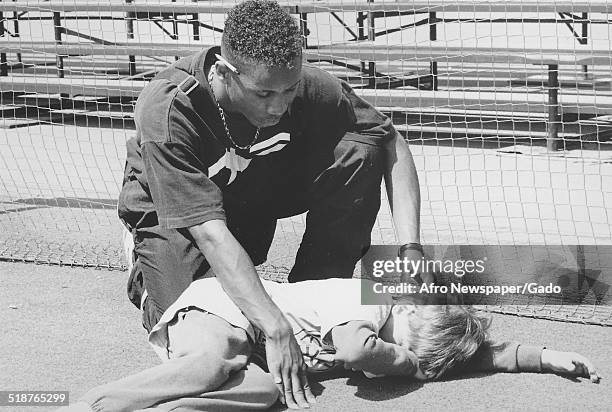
{"type": "Point", "coordinates": [570, 363]}
{"type": "Point", "coordinates": [288, 369]}
{"type": "Point", "coordinates": [419, 375]}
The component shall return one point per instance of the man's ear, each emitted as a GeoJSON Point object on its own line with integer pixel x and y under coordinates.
{"type": "Point", "coordinates": [223, 71]}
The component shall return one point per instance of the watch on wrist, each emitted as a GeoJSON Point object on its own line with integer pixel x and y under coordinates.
{"type": "Point", "coordinates": [410, 246]}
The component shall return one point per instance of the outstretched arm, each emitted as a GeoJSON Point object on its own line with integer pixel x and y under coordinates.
{"type": "Point", "coordinates": [506, 357]}
{"type": "Point", "coordinates": [514, 357]}
{"type": "Point", "coordinates": [359, 348]}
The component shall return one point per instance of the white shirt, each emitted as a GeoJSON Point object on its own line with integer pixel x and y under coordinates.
{"type": "Point", "coordinates": [312, 308]}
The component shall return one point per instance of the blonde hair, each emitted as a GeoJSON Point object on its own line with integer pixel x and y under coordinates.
{"type": "Point", "coordinates": [445, 336]}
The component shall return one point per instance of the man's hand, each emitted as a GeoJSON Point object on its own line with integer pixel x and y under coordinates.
{"type": "Point", "coordinates": [236, 273]}
{"type": "Point", "coordinates": [288, 369]}
{"type": "Point", "coordinates": [416, 256]}
{"type": "Point", "coordinates": [570, 363]}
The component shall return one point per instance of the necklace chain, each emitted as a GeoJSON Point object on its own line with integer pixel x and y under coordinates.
{"type": "Point", "coordinates": [211, 76]}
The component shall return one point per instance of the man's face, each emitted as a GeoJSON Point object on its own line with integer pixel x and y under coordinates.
{"type": "Point", "coordinates": [262, 94]}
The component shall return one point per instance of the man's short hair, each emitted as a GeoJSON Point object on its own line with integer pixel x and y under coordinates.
{"type": "Point", "coordinates": [261, 32]}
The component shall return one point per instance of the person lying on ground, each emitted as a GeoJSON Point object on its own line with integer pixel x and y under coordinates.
{"type": "Point", "coordinates": [213, 355]}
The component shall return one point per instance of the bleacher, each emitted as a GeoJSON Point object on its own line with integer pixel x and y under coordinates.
{"type": "Point", "coordinates": [389, 75]}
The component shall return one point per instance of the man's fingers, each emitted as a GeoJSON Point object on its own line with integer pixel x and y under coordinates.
{"type": "Point", "coordinates": [310, 398]}
{"type": "Point", "coordinates": [295, 390]}
{"type": "Point", "coordinates": [278, 381]}
{"type": "Point", "coordinates": [288, 390]}
{"type": "Point", "coordinates": [275, 370]}
{"type": "Point", "coordinates": [302, 373]}
{"type": "Point", "coordinates": [298, 389]}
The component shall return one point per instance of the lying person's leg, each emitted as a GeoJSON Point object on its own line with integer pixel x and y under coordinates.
{"type": "Point", "coordinates": [248, 389]}
{"type": "Point", "coordinates": [204, 351]}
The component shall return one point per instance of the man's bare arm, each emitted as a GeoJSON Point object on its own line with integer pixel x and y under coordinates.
{"type": "Point", "coordinates": [403, 192]}
{"type": "Point", "coordinates": [237, 275]}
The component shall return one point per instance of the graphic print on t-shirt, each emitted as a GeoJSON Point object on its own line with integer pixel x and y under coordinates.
{"type": "Point", "coordinates": [231, 161]}
{"type": "Point", "coordinates": [235, 163]}
{"type": "Point", "coordinates": [273, 144]}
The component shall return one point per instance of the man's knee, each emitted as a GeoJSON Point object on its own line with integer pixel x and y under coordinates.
{"type": "Point", "coordinates": [354, 176]}
{"type": "Point", "coordinates": [166, 263]}
{"type": "Point", "coordinates": [365, 159]}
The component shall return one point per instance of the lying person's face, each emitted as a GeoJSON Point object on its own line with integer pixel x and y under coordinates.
{"type": "Point", "coordinates": [404, 316]}
{"type": "Point", "coordinates": [263, 94]}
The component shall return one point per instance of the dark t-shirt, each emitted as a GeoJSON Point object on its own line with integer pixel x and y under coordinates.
{"type": "Point", "coordinates": [180, 165]}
